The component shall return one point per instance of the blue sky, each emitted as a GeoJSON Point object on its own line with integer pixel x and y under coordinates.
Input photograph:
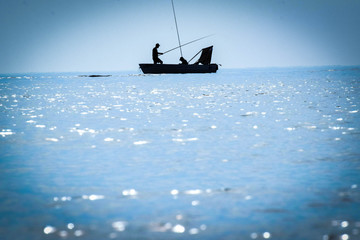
{"type": "Point", "coordinates": [116, 35]}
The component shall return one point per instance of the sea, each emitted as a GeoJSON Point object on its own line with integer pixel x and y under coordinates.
{"type": "Point", "coordinates": [265, 153]}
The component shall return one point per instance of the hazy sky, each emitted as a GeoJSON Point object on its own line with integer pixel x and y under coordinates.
{"type": "Point", "coordinates": [106, 35]}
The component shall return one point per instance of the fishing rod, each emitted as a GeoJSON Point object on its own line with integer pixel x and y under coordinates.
{"type": "Point", "coordinates": [177, 30]}
{"type": "Point", "coordinates": [188, 43]}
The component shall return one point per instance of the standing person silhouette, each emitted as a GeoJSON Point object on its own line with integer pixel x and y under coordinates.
{"type": "Point", "coordinates": [155, 54]}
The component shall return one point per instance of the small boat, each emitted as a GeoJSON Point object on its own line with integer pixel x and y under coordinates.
{"type": "Point", "coordinates": [203, 65]}
{"type": "Point", "coordinates": [177, 68]}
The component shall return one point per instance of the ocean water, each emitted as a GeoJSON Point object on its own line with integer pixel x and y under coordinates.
{"type": "Point", "coordinates": [241, 154]}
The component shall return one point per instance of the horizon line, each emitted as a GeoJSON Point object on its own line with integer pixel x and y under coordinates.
{"type": "Point", "coordinates": [225, 68]}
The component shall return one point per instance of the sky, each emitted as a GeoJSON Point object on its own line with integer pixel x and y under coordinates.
{"type": "Point", "coordinates": [117, 35]}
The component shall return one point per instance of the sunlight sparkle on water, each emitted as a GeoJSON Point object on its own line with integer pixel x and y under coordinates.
{"type": "Point", "coordinates": [193, 231]}
{"type": "Point", "coordinates": [78, 233]}
{"type": "Point", "coordinates": [193, 192]}
{"type": "Point", "coordinates": [63, 234]}
{"type": "Point", "coordinates": [6, 132]}
{"type": "Point", "coordinates": [129, 192]}
{"type": "Point", "coordinates": [52, 139]}
{"type": "Point", "coordinates": [70, 226]}
{"type": "Point", "coordinates": [178, 228]}
{"type": "Point", "coordinates": [49, 229]}
{"type": "Point", "coordinates": [141, 142]}
{"type": "Point", "coordinates": [119, 225]}
{"type": "Point", "coordinates": [344, 237]}
{"type": "Point", "coordinates": [344, 224]}
{"type": "Point", "coordinates": [174, 192]}
{"type": "Point", "coordinates": [94, 197]}
{"type": "Point", "coordinates": [228, 150]}
{"type": "Point", "coordinates": [266, 235]}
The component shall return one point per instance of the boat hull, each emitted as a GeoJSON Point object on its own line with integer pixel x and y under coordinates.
{"type": "Point", "coordinates": [177, 68]}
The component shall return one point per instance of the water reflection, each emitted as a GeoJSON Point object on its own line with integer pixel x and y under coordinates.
{"type": "Point", "coordinates": [250, 154]}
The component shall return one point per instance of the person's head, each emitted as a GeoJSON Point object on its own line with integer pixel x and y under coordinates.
{"type": "Point", "coordinates": [157, 45]}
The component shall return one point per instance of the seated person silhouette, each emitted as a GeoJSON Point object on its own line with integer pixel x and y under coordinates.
{"type": "Point", "coordinates": [183, 61]}
{"type": "Point", "coordinates": [155, 54]}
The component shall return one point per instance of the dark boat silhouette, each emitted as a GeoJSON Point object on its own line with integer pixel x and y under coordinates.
{"type": "Point", "coordinates": [203, 65]}
{"type": "Point", "coordinates": [177, 68]}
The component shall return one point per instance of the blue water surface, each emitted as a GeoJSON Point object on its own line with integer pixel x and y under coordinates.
{"type": "Point", "coordinates": [241, 154]}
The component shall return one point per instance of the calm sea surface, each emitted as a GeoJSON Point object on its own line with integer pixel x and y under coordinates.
{"type": "Point", "coordinates": [240, 154]}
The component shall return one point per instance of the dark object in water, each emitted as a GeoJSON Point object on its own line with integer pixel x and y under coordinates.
{"type": "Point", "coordinates": [178, 68]}
{"type": "Point", "coordinates": [205, 59]}
{"type": "Point", "coordinates": [184, 67]}
{"type": "Point", "coordinates": [94, 75]}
